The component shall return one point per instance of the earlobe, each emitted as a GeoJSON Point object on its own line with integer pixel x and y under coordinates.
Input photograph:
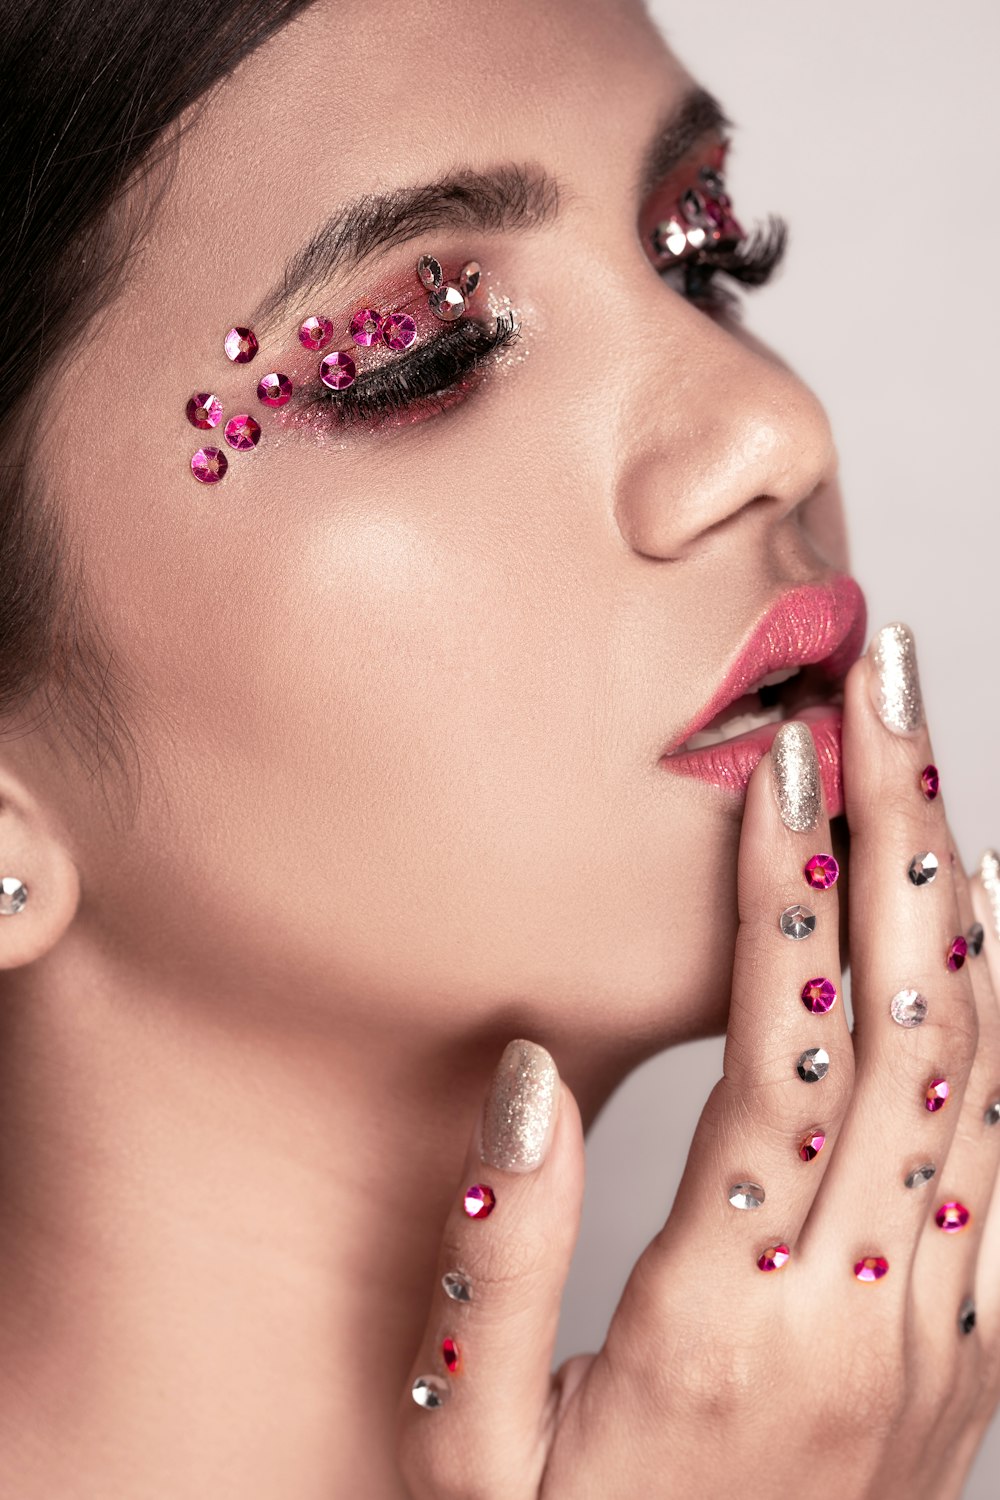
{"type": "Point", "coordinates": [39, 880]}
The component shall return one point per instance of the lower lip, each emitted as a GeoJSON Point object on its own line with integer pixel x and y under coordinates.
{"type": "Point", "coordinates": [731, 763]}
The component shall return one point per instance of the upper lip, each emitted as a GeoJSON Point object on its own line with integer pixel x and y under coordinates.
{"type": "Point", "coordinates": [821, 624]}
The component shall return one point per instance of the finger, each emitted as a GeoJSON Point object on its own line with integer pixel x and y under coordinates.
{"type": "Point", "coordinates": [915, 1027]}
{"type": "Point", "coordinates": [984, 892]}
{"type": "Point", "coordinates": [478, 1407]}
{"type": "Point", "coordinates": [786, 1001]}
{"type": "Point", "coordinates": [945, 1268]}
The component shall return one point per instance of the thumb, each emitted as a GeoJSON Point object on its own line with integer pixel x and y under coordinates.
{"type": "Point", "coordinates": [477, 1418]}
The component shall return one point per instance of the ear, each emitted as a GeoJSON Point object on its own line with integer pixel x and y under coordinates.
{"type": "Point", "coordinates": [36, 852]}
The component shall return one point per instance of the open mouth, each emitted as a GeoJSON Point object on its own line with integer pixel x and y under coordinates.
{"type": "Point", "coordinates": [779, 696]}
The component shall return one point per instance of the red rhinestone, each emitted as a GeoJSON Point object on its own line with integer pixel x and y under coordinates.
{"type": "Point", "coordinates": [812, 1145]}
{"type": "Point", "coordinates": [366, 326]}
{"type": "Point", "coordinates": [242, 432]}
{"type": "Point", "coordinates": [204, 410]}
{"type": "Point", "coordinates": [338, 370]}
{"type": "Point", "coordinates": [274, 389]}
{"type": "Point", "coordinates": [241, 345]}
{"type": "Point", "coordinates": [819, 996]}
{"type": "Point", "coordinates": [315, 333]}
{"type": "Point", "coordinates": [872, 1268]}
{"type": "Point", "coordinates": [951, 1217]}
{"type": "Point", "coordinates": [936, 1095]}
{"type": "Point", "coordinates": [452, 1356]}
{"type": "Point", "coordinates": [479, 1201]}
{"type": "Point", "coordinates": [209, 465]}
{"type": "Point", "coordinates": [930, 782]}
{"type": "Point", "coordinates": [958, 952]}
{"type": "Point", "coordinates": [773, 1258]}
{"type": "Point", "coordinates": [822, 871]}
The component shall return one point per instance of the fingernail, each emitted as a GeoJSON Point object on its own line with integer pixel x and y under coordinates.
{"type": "Point", "coordinates": [796, 776]}
{"type": "Point", "coordinates": [896, 681]}
{"type": "Point", "coordinates": [520, 1108]}
{"type": "Point", "coordinates": [989, 873]}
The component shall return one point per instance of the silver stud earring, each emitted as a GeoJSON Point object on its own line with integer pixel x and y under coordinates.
{"type": "Point", "coordinates": [13, 895]}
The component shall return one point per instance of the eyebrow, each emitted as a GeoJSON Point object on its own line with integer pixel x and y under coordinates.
{"type": "Point", "coordinates": [511, 197]}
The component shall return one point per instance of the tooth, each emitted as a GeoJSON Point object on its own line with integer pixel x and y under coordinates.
{"type": "Point", "coordinates": [774, 678]}
{"type": "Point", "coordinates": [731, 728]}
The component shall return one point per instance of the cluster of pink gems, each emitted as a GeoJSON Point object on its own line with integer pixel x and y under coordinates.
{"type": "Point", "coordinates": [773, 1258]}
{"type": "Point", "coordinates": [952, 1217]}
{"type": "Point", "coordinates": [819, 996]}
{"type": "Point", "coordinates": [821, 872]}
{"type": "Point", "coordinates": [871, 1268]}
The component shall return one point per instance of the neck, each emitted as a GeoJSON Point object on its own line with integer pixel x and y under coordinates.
{"type": "Point", "coordinates": [219, 1237]}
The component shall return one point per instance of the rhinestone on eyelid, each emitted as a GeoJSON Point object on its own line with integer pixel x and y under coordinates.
{"type": "Point", "coordinates": [922, 868]}
{"type": "Point", "coordinates": [366, 326]}
{"type": "Point", "coordinates": [797, 923]}
{"type": "Point", "coordinates": [398, 330]}
{"type": "Point", "coordinates": [468, 278]}
{"type": "Point", "coordinates": [670, 238]}
{"type": "Point", "coordinates": [813, 1065]}
{"type": "Point", "coordinates": [920, 1175]}
{"type": "Point", "coordinates": [315, 333]}
{"type": "Point", "coordinates": [908, 1008]}
{"type": "Point", "coordinates": [746, 1195]}
{"type": "Point", "coordinates": [338, 370]}
{"type": "Point", "coordinates": [274, 389]}
{"type": "Point", "coordinates": [430, 272]}
{"type": "Point", "coordinates": [209, 465]}
{"type": "Point", "coordinates": [242, 432]}
{"type": "Point", "coordinates": [241, 345]}
{"type": "Point", "coordinates": [447, 303]}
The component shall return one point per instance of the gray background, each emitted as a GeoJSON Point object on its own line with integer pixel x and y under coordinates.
{"type": "Point", "coordinates": [870, 124]}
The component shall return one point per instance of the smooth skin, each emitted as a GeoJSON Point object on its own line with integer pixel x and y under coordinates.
{"type": "Point", "coordinates": [389, 796]}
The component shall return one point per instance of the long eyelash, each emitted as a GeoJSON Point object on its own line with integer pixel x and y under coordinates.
{"type": "Point", "coordinates": [755, 259]}
{"type": "Point", "coordinates": [431, 370]}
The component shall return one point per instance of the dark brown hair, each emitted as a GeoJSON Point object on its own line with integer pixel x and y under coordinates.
{"type": "Point", "coordinates": [90, 90]}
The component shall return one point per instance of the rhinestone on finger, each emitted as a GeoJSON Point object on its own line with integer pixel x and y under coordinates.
{"type": "Point", "coordinates": [821, 871]}
{"type": "Point", "coordinates": [967, 1315]}
{"type": "Point", "coordinates": [13, 895]}
{"type": "Point", "coordinates": [819, 995]}
{"type": "Point", "coordinates": [991, 1114]}
{"type": "Point", "coordinates": [746, 1195]}
{"type": "Point", "coordinates": [429, 1391]}
{"type": "Point", "coordinates": [773, 1258]}
{"type": "Point", "coordinates": [451, 1355]}
{"type": "Point", "coordinates": [936, 1094]}
{"type": "Point", "coordinates": [930, 782]}
{"type": "Point", "coordinates": [797, 922]}
{"type": "Point", "coordinates": [908, 1008]}
{"type": "Point", "coordinates": [457, 1285]}
{"type": "Point", "coordinates": [813, 1065]}
{"type": "Point", "coordinates": [974, 939]}
{"type": "Point", "coordinates": [952, 1217]}
{"type": "Point", "coordinates": [922, 868]}
{"type": "Point", "coordinates": [871, 1268]}
{"type": "Point", "coordinates": [479, 1201]}
{"type": "Point", "coordinates": [958, 951]}
{"type": "Point", "coordinates": [812, 1144]}
{"type": "Point", "coordinates": [920, 1175]}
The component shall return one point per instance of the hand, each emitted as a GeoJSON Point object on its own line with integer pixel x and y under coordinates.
{"type": "Point", "coordinates": [717, 1376]}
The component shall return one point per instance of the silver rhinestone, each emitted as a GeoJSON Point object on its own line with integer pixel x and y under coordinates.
{"type": "Point", "coordinates": [457, 1285]}
{"type": "Point", "coordinates": [692, 206]}
{"type": "Point", "coordinates": [696, 237]}
{"type": "Point", "coordinates": [974, 938]}
{"type": "Point", "coordinates": [713, 180]}
{"type": "Point", "coordinates": [429, 1391]}
{"type": "Point", "coordinates": [670, 238]}
{"type": "Point", "coordinates": [447, 303]}
{"type": "Point", "coordinates": [430, 272]}
{"type": "Point", "coordinates": [797, 922]}
{"type": "Point", "coordinates": [468, 278]}
{"type": "Point", "coordinates": [923, 868]}
{"type": "Point", "coordinates": [746, 1195]}
{"type": "Point", "coordinates": [13, 895]}
{"type": "Point", "coordinates": [813, 1065]}
{"type": "Point", "coordinates": [991, 1115]}
{"type": "Point", "coordinates": [920, 1175]}
{"type": "Point", "coordinates": [967, 1315]}
{"type": "Point", "coordinates": [908, 1008]}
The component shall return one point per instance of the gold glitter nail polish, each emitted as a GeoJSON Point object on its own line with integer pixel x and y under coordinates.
{"type": "Point", "coordinates": [989, 873]}
{"type": "Point", "coordinates": [796, 776]}
{"type": "Point", "coordinates": [896, 681]}
{"type": "Point", "coordinates": [519, 1108]}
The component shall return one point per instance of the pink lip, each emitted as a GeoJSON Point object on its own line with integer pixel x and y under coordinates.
{"type": "Point", "coordinates": [817, 624]}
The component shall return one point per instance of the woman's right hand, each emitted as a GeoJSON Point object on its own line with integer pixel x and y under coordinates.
{"type": "Point", "coordinates": [715, 1374]}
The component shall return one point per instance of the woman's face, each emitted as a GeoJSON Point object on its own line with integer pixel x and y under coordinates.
{"type": "Point", "coordinates": [402, 687]}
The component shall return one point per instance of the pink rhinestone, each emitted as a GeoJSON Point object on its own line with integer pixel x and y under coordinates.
{"type": "Point", "coordinates": [366, 326]}
{"type": "Point", "coordinates": [812, 1145]}
{"type": "Point", "coordinates": [338, 370]}
{"type": "Point", "coordinates": [822, 871]}
{"type": "Point", "coordinates": [204, 410]}
{"type": "Point", "coordinates": [209, 465]}
{"type": "Point", "coordinates": [242, 432]}
{"type": "Point", "coordinates": [274, 390]}
{"type": "Point", "coordinates": [819, 996]}
{"type": "Point", "coordinates": [399, 330]}
{"type": "Point", "coordinates": [930, 782]}
{"type": "Point", "coordinates": [315, 333]}
{"type": "Point", "coordinates": [872, 1268]}
{"type": "Point", "coordinates": [773, 1258]}
{"type": "Point", "coordinates": [479, 1201]}
{"type": "Point", "coordinates": [936, 1096]}
{"type": "Point", "coordinates": [241, 345]}
{"type": "Point", "coordinates": [958, 952]}
{"type": "Point", "coordinates": [951, 1217]}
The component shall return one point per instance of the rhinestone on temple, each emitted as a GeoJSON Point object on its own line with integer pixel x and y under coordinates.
{"type": "Point", "coordinates": [209, 465]}
{"type": "Point", "coordinates": [242, 432]}
{"type": "Point", "coordinates": [241, 345]}
{"type": "Point", "coordinates": [204, 410]}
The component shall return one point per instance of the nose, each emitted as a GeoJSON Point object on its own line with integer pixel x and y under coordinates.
{"type": "Point", "coordinates": [719, 430]}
